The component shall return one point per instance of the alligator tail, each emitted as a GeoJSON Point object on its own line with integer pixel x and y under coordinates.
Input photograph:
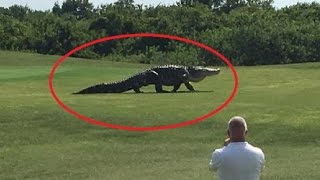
{"type": "Point", "coordinates": [117, 87]}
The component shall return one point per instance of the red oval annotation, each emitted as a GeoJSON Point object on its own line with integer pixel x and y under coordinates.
{"type": "Point", "coordinates": [142, 128]}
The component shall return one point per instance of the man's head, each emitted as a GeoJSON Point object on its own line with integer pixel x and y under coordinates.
{"type": "Point", "coordinates": [237, 129]}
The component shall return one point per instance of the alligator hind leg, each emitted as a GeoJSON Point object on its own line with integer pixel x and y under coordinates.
{"type": "Point", "coordinates": [153, 78]}
{"type": "Point", "coordinates": [159, 89]}
{"type": "Point", "coordinates": [176, 87]}
{"type": "Point", "coordinates": [137, 90]}
{"type": "Point", "coordinates": [136, 87]}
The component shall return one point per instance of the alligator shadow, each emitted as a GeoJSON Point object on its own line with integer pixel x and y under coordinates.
{"type": "Point", "coordinates": [178, 92]}
{"type": "Point", "coordinates": [149, 92]}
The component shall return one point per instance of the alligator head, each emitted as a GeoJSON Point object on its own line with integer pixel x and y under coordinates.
{"type": "Point", "coordinates": [198, 73]}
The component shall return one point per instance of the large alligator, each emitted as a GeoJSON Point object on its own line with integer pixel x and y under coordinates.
{"type": "Point", "coordinates": [168, 75]}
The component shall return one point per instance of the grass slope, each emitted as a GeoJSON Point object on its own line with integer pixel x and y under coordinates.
{"type": "Point", "coordinates": [39, 140]}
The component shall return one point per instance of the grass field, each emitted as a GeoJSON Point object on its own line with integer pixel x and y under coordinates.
{"type": "Point", "coordinates": [39, 140]}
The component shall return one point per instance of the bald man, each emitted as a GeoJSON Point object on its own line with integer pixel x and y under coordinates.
{"type": "Point", "coordinates": [237, 160]}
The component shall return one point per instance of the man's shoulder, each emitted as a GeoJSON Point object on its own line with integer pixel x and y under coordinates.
{"type": "Point", "coordinates": [228, 149]}
{"type": "Point", "coordinates": [217, 152]}
{"type": "Point", "coordinates": [255, 149]}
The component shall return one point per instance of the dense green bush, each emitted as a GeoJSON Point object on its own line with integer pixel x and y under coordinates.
{"type": "Point", "coordinates": [247, 33]}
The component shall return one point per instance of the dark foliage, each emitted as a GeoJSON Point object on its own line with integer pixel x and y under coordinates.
{"type": "Point", "coordinates": [248, 32]}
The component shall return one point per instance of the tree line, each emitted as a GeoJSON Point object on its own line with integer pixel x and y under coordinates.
{"type": "Point", "coordinates": [247, 32]}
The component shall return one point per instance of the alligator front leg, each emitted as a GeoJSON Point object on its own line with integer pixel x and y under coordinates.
{"type": "Point", "coordinates": [189, 86]}
{"type": "Point", "coordinates": [187, 83]}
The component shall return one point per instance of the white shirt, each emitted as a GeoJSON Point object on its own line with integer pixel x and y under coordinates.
{"type": "Point", "coordinates": [237, 161]}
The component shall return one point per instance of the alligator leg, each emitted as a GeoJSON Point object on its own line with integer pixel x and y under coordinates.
{"type": "Point", "coordinates": [137, 90]}
{"type": "Point", "coordinates": [136, 87]}
{"type": "Point", "coordinates": [176, 87]}
{"type": "Point", "coordinates": [187, 83]}
{"type": "Point", "coordinates": [189, 86]}
{"type": "Point", "coordinates": [157, 82]}
{"type": "Point", "coordinates": [159, 88]}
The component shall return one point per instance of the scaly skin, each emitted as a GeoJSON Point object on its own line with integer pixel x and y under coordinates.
{"type": "Point", "coordinates": [168, 75]}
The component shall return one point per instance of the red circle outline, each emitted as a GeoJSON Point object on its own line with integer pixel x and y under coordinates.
{"type": "Point", "coordinates": [145, 128]}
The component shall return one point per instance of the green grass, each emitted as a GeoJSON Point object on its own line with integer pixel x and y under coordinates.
{"type": "Point", "coordinates": [39, 140]}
